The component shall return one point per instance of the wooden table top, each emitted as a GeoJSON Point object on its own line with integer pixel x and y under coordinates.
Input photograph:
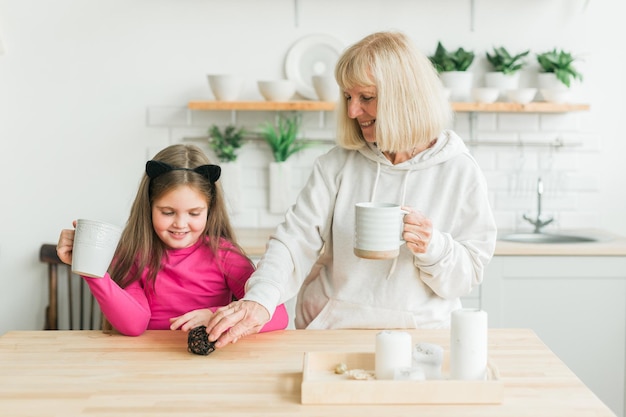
{"type": "Point", "coordinates": [89, 373]}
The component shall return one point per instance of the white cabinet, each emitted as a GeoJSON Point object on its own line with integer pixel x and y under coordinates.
{"type": "Point", "coordinates": [575, 304]}
{"type": "Point", "coordinates": [472, 300]}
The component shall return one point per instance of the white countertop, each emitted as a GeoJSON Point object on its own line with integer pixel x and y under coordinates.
{"type": "Point", "coordinates": [253, 241]}
{"type": "Point", "coordinates": [607, 244]}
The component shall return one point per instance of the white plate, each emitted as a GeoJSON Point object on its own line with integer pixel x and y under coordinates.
{"type": "Point", "coordinates": [309, 56]}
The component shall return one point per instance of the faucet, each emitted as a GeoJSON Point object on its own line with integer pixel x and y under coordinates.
{"type": "Point", "coordinates": [538, 223]}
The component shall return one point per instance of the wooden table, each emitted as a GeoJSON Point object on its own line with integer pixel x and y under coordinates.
{"type": "Point", "coordinates": [89, 373]}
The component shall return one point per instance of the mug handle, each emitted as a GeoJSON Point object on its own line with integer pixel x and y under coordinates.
{"type": "Point", "coordinates": [403, 213]}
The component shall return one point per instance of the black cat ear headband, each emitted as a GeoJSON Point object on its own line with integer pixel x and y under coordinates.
{"type": "Point", "coordinates": [156, 168]}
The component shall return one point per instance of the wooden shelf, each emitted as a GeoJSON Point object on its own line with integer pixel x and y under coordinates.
{"type": "Point", "coordinates": [304, 105]}
{"type": "Point", "coordinates": [263, 105]}
{"type": "Point", "coordinates": [532, 107]}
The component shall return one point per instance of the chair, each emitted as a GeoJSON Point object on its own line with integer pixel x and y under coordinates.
{"type": "Point", "coordinates": [76, 297]}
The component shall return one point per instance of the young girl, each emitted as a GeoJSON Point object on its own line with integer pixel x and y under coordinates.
{"type": "Point", "coordinates": [177, 260]}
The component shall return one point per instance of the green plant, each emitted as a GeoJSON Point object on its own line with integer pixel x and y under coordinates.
{"type": "Point", "coordinates": [503, 61]}
{"type": "Point", "coordinates": [561, 64]}
{"type": "Point", "coordinates": [445, 60]}
{"type": "Point", "coordinates": [226, 142]}
{"type": "Point", "coordinates": [282, 137]}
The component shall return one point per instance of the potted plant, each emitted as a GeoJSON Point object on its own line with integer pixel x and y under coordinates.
{"type": "Point", "coordinates": [505, 68]}
{"type": "Point", "coordinates": [282, 140]}
{"type": "Point", "coordinates": [282, 137]}
{"type": "Point", "coordinates": [446, 61]}
{"type": "Point", "coordinates": [502, 61]}
{"type": "Point", "coordinates": [452, 67]}
{"type": "Point", "coordinates": [225, 143]}
{"type": "Point", "coordinates": [560, 64]}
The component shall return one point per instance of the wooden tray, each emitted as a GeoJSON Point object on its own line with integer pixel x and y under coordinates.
{"type": "Point", "coordinates": [321, 385]}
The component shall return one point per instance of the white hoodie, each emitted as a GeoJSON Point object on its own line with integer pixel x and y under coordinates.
{"type": "Point", "coordinates": [312, 250]}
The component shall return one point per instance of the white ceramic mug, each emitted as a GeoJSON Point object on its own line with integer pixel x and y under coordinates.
{"type": "Point", "coordinates": [378, 230]}
{"type": "Point", "coordinates": [94, 246]}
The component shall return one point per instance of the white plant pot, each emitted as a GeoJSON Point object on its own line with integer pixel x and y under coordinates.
{"type": "Point", "coordinates": [552, 89]}
{"type": "Point", "coordinates": [231, 185]}
{"type": "Point", "coordinates": [280, 187]}
{"type": "Point", "coordinates": [459, 83]}
{"type": "Point", "coordinates": [548, 81]}
{"type": "Point", "coordinates": [501, 81]}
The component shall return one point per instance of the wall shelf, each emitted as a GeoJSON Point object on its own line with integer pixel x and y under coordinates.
{"type": "Point", "coordinates": [263, 105]}
{"type": "Point", "coordinates": [462, 107]}
{"type": "Point", "coordinates": [532, 107]}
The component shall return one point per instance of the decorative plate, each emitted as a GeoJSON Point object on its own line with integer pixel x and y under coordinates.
{"type": "Point", "coordinates": [309, 56]}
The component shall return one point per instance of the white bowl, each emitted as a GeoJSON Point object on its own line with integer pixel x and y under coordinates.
{"type": "Point", "coordinates": [485, 94]}
{"type": "Point", "coordinates": [521, 95]}
{"type": "Point", "coordinates": [325, 87]}
{"type": "Point", "coordinates": [225, 87]}
{"type": "Point", "coordinates": [556, 95]}
{"type": "Point", "coordinates": [277, 90]}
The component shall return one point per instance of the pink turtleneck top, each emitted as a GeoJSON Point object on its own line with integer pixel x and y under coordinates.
{"type": "Point", "coordinates": [191, 278]}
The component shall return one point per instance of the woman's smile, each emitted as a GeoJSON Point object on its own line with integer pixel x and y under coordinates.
{"type": "Point", "coordinates": [361, 103]}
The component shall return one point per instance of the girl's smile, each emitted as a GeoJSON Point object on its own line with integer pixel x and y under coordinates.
{"type": "Point", "coordinates": [179, 217]}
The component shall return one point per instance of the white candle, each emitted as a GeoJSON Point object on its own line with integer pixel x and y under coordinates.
{"type": "Point", "coordinates": [468, 344]}
{"type": "Point", "coordinates": [393, 351]}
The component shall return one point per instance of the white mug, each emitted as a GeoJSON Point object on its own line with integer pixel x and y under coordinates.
{"type": "Point", "coordinates": [378, 230]}
{"type": "Point", "coordinates": [94, 246]}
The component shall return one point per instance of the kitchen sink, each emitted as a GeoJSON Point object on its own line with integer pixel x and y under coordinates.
{"type": "Point", "coordinates": [531, 237]}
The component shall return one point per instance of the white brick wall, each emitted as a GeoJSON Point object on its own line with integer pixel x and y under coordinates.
{"type": "Point", "coordinates": [513, 149]}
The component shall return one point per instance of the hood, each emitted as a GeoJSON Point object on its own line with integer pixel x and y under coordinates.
{"type": "Point", "coordinates": [448, 145]}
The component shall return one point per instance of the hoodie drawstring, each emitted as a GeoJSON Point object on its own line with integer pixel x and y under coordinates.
{"type": "Point", "coordinates": [404, 185]}
{"type": "Point", "coordinates": [375, 182]}
{"type": "Point", "coordinates": [405, 181]}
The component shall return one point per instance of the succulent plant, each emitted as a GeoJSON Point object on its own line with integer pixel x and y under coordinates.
{"type": "Point", "coordinates": [560, 63]}
{"type": "Point", "coordinates": [444, 60]}
{"type": "Point", "coordinates": [502, 61]}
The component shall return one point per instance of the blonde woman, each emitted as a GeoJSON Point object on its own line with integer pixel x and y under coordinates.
{"type": "Point", "coordinates": [393, 147]}
{"type": "Point", "coordinates": [177, 260]}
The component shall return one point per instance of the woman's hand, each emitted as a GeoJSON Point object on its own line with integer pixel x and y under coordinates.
{"type": "Point", "coordinates": [418, 230]}
{"type": "Point", "coordinates": [65, 245]}
{"type": "Point", "coordinates": [236, 320]}
{"type": "Point", "coordinates": [191, 320]}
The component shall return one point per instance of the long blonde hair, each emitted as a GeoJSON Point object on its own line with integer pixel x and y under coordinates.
{"type": "Point", "coordinates": [139, 246]}
{"type": "Point", "coordinates": [412, 108]}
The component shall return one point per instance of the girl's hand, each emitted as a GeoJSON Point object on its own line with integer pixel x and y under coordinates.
{"type": "Point", "coordinates": [191, 320]}
{"type": "Point", "coordinates": [65, 245]}
{"type": "Point", "coordinates": [418, 230]}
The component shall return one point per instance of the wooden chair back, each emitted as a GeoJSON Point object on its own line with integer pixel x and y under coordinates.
{"type": "Point", "coordinates": [79, 304]}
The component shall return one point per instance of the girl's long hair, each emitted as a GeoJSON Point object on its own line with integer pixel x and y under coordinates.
{"type": "Point", "coordinates": [140, 247]}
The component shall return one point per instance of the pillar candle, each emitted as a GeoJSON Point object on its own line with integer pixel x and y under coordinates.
{"type": "Point", "coordinates": [393, 351]}
{"type": "Point", "coordinates": [468, 344]}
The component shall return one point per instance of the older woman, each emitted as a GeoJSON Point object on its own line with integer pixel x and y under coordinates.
{"type": "Point", "coordinates": [393, 147]}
